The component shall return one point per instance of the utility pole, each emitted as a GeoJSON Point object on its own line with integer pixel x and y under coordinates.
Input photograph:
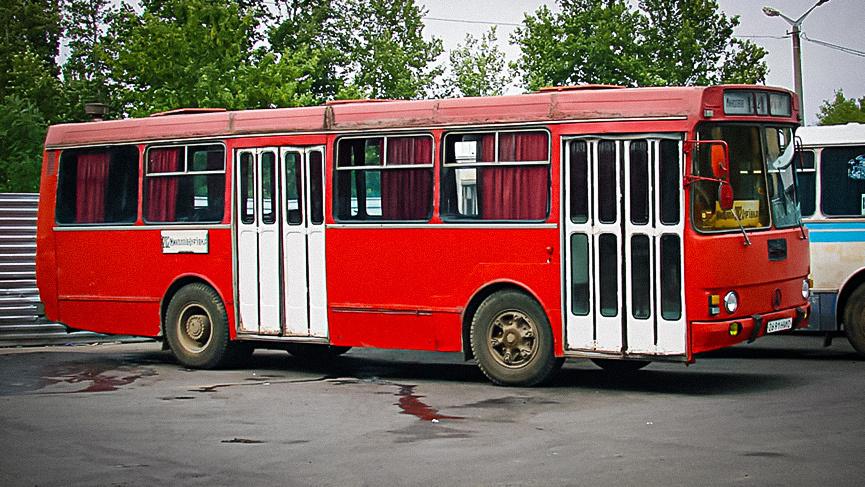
{"type": "Point", "coordinates": [797, 49]}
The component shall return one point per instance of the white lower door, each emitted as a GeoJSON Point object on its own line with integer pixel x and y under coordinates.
{"type": "Point", "coordinates": [303, 263]}
{"type": "Point", "coordinates": [623, 259]}
{"type": "Point", "coordinates": [258, 241]}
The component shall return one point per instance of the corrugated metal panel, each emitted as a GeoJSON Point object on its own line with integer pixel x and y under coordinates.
{"type": "Point", "coordinates": [19, 296]}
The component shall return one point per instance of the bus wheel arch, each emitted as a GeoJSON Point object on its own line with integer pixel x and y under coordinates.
{"type": "Point", "coordinates": [176, 286]}
{"type": "Point", "coordinates": [472, 307]}
{"type": "Point", "coordinates": [850, 310]}
{"type": "Point", "coordinates": [510, 336]}
{"type": "Point", "coordinates": [196, 328]}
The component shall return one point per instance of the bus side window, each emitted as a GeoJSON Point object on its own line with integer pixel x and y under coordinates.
{"type": "Point", "coordinates": [184, 184]}
{"type": "Point", "coordinates": [496, 176]}
{"type": "Point", "coordinates": [841, 172]}
{"type": "Point", "coordinates": [98, 186]}
{"type": "Point", "coordinates": [386, 178]}
{"type": "Point", "coordinates": [807, 179]}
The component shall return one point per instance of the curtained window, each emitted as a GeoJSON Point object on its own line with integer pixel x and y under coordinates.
{"type": "Point", "coordinates": [185, 184]}
{"type": "Point", "coordinates": [496, 176]}
{"type": "Point", "coordinates": [98, 186]}
{"type": "Point", "coordinates": [384, 178]}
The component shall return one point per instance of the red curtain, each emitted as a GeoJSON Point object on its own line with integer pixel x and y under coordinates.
{"type": "Point", "coordinates": [91, 182]}
{"type": "Point", "coordinates": [406, 194]}
{"type": "Point", "coordinates": [161, 192]}
{"type": "Point", "coordinates": [515, 192]}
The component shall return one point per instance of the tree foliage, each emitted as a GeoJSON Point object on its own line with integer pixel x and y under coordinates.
{"type": "Point", "coordinates": [200, 53]}
{"type": "Point", "coordinates": [22, 132]}
{"type": "Point", "coordinates": [656, 43]}
{"type": "Point", "coordinates": [86, 72]}
{"type": "Point", "coordinates": [841, 110]}
{"type": "Point", "coordinates": [388, 55]}
{"type": "Point", "coordinates": [29, 26]}
{"type": "Point", "coordinates": [477, 67]}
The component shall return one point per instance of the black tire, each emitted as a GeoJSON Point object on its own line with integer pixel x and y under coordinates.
{"type": "Point", "coordinates": [196, 328]}
{"type": "Point", "coordinates": [620, 366]}
{"type": "Point", "coordinates": [315, 352]}
{"type": "Point", "coordinates": [512, 340]}
{"type": "Point", "coordinates": [854, 319]}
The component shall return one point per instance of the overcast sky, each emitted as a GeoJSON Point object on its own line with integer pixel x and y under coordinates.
{"type": "Point", "coordinates": [840, 22]}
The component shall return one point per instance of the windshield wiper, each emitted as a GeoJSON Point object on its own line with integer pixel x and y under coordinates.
{"type": "Point", "coordinates": [741, 227]}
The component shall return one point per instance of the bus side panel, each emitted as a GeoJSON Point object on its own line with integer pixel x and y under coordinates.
{"type": "Point", "coordinates": [46, 276]}
{"type": "Point", "coordinates": [113, 281]}
{"type": "Point", "coordinates": [408, 287]}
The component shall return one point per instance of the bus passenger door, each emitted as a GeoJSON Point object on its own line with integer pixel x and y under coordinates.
{"type": "Point", "coordinates": [258, 242]}
{"type": "Point", "coordinates": [303, 241]}
{"type": "Point", "coordinates": [623, 258]}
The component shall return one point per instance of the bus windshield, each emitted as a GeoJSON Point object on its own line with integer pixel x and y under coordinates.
{"type": "Point", "coordinates": [761, 174]}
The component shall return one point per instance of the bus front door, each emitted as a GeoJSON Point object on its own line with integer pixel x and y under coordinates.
{"type": "Point", "coordinates": [623, 263]}
{"type": "Point", "coordinates": [280, 241]}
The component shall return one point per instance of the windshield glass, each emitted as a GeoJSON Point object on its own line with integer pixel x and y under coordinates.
{"type": "Point", "coordinates": [763, 192]}
{"type": "Point", "coordinates": [782, 189]}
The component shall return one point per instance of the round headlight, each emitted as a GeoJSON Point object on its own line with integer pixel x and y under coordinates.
{"type": "Point", "coordinates": [731, 302]}
{"type": "Point", "coordinates": [806, 289]}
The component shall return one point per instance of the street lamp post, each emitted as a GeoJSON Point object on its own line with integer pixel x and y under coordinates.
{"type": "Point", "coordinates": [797, 48]}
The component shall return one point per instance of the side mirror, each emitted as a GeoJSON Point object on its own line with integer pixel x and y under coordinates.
{"type": "Point", "coordinates": [720, 161]}
{"type": "Point", "coordinates": [725, 196]}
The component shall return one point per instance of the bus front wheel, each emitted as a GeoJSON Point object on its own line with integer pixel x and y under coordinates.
{"type": "Point", "coordinates": [854, 319]}
{"type": "Point", "coordinates": [512, 340]}
{"type": "Point", "coordinates": [196, 328]}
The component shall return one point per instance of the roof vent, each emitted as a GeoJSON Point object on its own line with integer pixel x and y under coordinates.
{"type": "Point", "coordinates": [96, 111]}
{"type": "Point", "coordinates": [587, 87]}
{"type": "Point", "coordinates": [187, 111]}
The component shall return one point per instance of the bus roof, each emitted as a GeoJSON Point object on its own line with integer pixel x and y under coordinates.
{"type": "Point", "coordinates": [826, 135]}
{"type": "Point", "coordinates": [596, 104]}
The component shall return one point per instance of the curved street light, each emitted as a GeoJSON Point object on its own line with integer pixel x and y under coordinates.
{"type": "Point", "coordinates": [797, 48]}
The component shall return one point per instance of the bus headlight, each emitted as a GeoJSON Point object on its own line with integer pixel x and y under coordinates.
{"type": "Point", "coordinates": [731, 302]}
{"type": "Point", "coordinates": [806, 289]}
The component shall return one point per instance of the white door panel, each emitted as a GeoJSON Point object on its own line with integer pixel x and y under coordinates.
{"type": "Point", "coordinates": [614, 236]}
{"type": "Point", "coordinates": [247, 242]}
{"type": "Point", "coordinates": [268, 243]}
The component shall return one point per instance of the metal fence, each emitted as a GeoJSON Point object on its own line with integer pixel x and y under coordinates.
{"type": "Point", "coordinates": [19, 324]}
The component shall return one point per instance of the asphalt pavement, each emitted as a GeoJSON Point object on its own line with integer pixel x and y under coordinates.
{"type": "Point", "coordinates": [783, 411]}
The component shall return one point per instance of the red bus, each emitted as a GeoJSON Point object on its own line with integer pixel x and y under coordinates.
{"type": "Point", "coordinates": [619, 225]}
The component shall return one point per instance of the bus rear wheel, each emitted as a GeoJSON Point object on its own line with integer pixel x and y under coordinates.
{"type": "Point", "coordinates": [854, 319]}
{"type": "Point", "coordinates": [196, 328]}
{"type": "Point", "coordinates": [512, 340]}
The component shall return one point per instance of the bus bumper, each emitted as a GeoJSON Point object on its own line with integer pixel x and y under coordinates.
{"type": "Point", "coordinates": [712, 335]}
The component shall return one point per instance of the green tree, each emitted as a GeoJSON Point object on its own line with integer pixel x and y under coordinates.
{"type": "Point", "coordinates": [691, 42]}
{"type": "Point", "coordinates": [841, 110]}
{"type": "Point", "coordinates": [29, 26]}
{"type": "Point", "coordinates": [201, 53]}
{"type": "Point", "coordinates": [589, 41]}
{"type": "Point", "coordinates": [22, 132]}
{"type": "Point", "coordinates": [86, 74]}
{"type": "Point", "coordinates": [655, 43]}
{"type": "Point", "coordinates": [388, 56]}
{"type": "Point", "coordinates": [477, 67]}
{"type": "Point", "coordinates": [319, 28]}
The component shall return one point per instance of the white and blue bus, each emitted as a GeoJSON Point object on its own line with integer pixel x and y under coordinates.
{"type": "Point", "coordinates": [832, 195]}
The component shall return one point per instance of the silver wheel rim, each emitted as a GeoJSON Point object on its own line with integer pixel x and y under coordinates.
{"type": "Point", "coordinates": [513, 339]}
{"type": "Point", "coordinates": [194, 328]}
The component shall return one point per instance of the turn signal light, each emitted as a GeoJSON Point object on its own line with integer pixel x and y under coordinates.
{"type": "Point", "coordinates": [735, 328]}
{"type": "Point", "coordinates": [714, 304]}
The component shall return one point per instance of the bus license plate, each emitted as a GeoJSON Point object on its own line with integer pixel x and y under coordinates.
{"type": "Point", "coordinates": [779, 325]}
